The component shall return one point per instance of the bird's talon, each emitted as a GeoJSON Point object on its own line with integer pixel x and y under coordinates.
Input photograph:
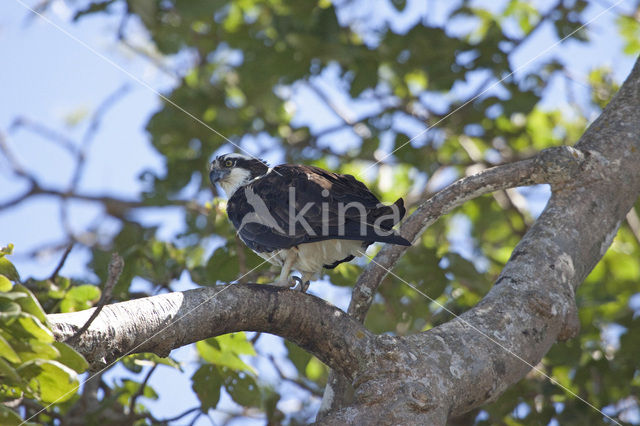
{"type": "Point", "coordinates": [295, 281]}
{"type": "Point", "coordinates": [304, 286]}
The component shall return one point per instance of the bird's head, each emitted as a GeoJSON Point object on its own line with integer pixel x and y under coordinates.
{"type": "Point", "coordinates": [232, 171]}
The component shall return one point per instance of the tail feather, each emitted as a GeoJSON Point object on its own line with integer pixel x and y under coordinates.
{"type": "Point", "coordinates": [393, 239]}
{"type": "Point", "coordinates": [396, 212]}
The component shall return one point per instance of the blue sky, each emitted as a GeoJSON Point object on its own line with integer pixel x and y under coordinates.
{"type": "Point", "coordinates": [48, 77]}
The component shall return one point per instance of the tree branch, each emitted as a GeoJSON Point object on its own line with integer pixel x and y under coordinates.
{"type": "Point", "coordinates": [164, 322]}
{"type": "Point", "coordinates": [63, 260]}
{"type": "Point", "coordinates": [140, 392]}
{"type": "Point", "coordinates": [114, 206]}
{"type": "Point", "coordinates": [115, 269]}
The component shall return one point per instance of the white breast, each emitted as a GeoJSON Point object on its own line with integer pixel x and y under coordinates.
{"type": "Point", "coordinates": [313, 256]}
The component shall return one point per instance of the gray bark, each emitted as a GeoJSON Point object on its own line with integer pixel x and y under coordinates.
{"type": "Point", "coordinates": [451, 369]}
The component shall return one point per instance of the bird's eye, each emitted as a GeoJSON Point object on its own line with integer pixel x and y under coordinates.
{"type": "Point", "coordinates": [228, 163]}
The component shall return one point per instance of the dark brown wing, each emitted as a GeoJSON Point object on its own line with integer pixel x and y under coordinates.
{"type": "Point", "coordinates": [301, 204]}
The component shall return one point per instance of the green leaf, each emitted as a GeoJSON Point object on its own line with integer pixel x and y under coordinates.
{"type": "Point", "coordinates": [35, 328]}
{"type": "Point", "coordinates": [6, 250]}
{"type": "Point", "coordinates": [224, 351]}
{"type": "Point", "coordinates": [9, 374]}
{"type": "Point", "coordinates": [399, 4]}
{"type": "Point", "coordinates": [236, 342]}
{"type": "Point", "coordinates": [51, 381]}
{"type": "Point", "coordinates": [8, 309]}
{"type": "Point", "coordinates": [7, 351]}
{"type": "Point", "coordinates": [5, 283]}
{"type": "Point", "coordinates": [8, 417]}
{"type": "Point", "coordinates": [242, 388]}
{"type": "Point", "coordinates": [129, 388]}
{"type": "Point", "coordinates": [629, 29]}
{"type": "Point", "coordinates": [71, 358]}
{"type": "Point", "coordinates": [222, 265]}
{"type": "Point", "coordinates": [35, 349]}
{"type": "Point", "coordinates": [80, 298]}
{"type": "Point", "coordinates": [136, 362]}
{"type": "Point", "coordinates": [8, 270]}
{"type": "Point", "coordinates": [29, 303]}
{"type": "Point", "coordinates": [12, 295]}
{"type": "Point", "coordinates": [315, 369]}
{"type": "Point", "coordinates": [299, 357]}
{"type": "Point", "coordinates": [92, 7]}
{"type": "Point", "coordinates": [206, 384]}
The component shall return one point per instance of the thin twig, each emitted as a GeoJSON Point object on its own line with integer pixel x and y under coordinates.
{"type": "Point", "coordinates": [181, 415]}
{"type": "Point", "coordinates": [140, 390]}
{"type": "Point", "coordinates": [15, 165]}
{"type": "Point", "coordinates": [337, 110]}
{"type": "Point", "coordinates": [17, 200]}
{"type": "Point", "coordinates": [90, 133]}
{"type": "Point", "coordinates": [157, 62]}
{"type": "Point", "coordinates": [122, 26]}
{"type": "Point", "coordinates": [361, 121]}
{"type": "Point", "coordinates": [195, 419]}
{"type": "Point", "coordinates": [56, 271]}
{"type": "Point", "coordinates": [255, 338]}
{"type": "Point", "coordinates": [314, 390]}
{"type": "Point", "coordinates": [45, 132]}
{"type": "Point", "coordinates": [115, 269]}
{"type": "Point", "coordinates": [31, 404]}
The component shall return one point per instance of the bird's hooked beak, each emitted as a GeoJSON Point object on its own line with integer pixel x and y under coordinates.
{"type": "Point", "coordinates": [216, 174]}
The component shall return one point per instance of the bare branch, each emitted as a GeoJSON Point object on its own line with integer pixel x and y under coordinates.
{"type": "Point", "coordinates": [163, 322]}
{"type": "Point", "coordinates": [14, 164]}
{"type": "Point", "coordinates": [140, 392]}
{"type": "Point", "coordinates": [90, 133]}
{"type": "Point", "coordinates": [181, 415]}
{"type": "Point", "coordinates": [337, 109]}
{"type": "Point", "coordinates": [45, 132]}
{"type": "Point", "coordinates": [310, 387]}
{"type": "Point", "coordinates": [17, 200]}
{"type": "Point", "coordinates": [115, 269]}
{"type": "Point", "coordinates": [65, 255]}
{"type": "Point", "coordinates": [114, 206]}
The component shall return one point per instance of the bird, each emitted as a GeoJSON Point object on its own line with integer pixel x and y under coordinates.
{"type": "Point", "coordinates": [302, 218]}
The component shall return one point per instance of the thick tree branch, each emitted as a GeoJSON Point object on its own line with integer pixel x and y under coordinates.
{"type": "Point", "coordinates": [164, 322]}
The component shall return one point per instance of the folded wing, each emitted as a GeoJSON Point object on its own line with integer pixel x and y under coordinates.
{"type": "Point", "coordinates": [301, 204]}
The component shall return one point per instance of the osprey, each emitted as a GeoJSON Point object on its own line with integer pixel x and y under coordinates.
{"type": "Point", "coordinates": [301, 217]}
